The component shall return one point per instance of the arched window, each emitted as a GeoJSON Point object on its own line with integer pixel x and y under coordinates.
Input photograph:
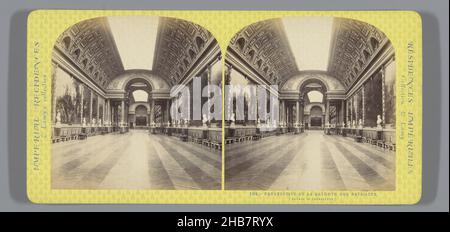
{"type": "Point", "coordinates": [141, 110]}
{"type": "Point", "coordinates": [191, 54]}
{"type": "Point", "coordinates": [259, 63]}
{"type": "Point", "coordinates": [77, 53]}
{"type": "Point", "coordinates": [361, 63]}
{"type": "Point", "coordinates": [315, 96]}
{"type": "Point", "coordinates": [200, 42]}
{"type": "Point", "coordinates": [66, 42]}
{"type": "Point", "coordinates": [366, 54]}
{"type": "Point", "coordinates": [251, 53]}
{"type": "Point", "coordinates": [374, 43]}
{"type": "Point", "coordinates": [84, 62]}
{"type": "Point", "coordinates": [140, 96]}
{"type": "Point", "coordinates": [241, 43]}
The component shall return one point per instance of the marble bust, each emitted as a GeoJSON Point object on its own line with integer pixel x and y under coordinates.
{"type": "Point", "coordinates": [204, 120]}
{"type": "Point", "coordinates": [232, 119]}
{"type": "Point", "coordinates": [379, 122]}
{"type": "Point", "coordinates": [58, 118]}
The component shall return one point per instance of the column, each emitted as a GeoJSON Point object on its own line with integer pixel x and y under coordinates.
{"type": "Point", "coordinates": [167, 119]}
{"type": "Point", "coordinates": [383, 95]}
{"type": "Point", "coordinates": [152, 111]}
{"type": "Point", "coordinates": [351, 112]}
{"type": "Point", "coordinates": [288, 114]}
{"type": "Point", "coordinates": [297, 114]}
{"type": "Point", "coordinates": [82, 104]}
{"type": "Point", "coordinates": [363, 110]}
{"type": "Point", "coordinates": [302, 111]}
{"type": "Point", "coordinates": [90, 108]}
{"type": "Point", "coordinates": [342, 111]}
{"type": "Point", "coordinates": [109, 113]}
{"type": "Point", "coordinates": [208, 82]}
{"type": "Point", "coordinates": [122, 119]}
{"type": "Point", "coordinates": [98, 110]}
{"type": "Point", "coordinates": [327, 117]}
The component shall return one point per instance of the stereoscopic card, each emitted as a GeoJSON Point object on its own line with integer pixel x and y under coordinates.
{"type": "Point", "coordinates": [224, 107]}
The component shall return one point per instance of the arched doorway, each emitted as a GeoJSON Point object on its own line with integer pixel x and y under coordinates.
{"type": "Point", "coordinates": [138, 92]}
{"type": "Point", "coordinates": [313, 95]}
{"type": "Point", "coordinates": [316, 118]}
{"type": "Point", "coordinates": [141, 116]}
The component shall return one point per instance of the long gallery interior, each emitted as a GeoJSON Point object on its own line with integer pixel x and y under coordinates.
{"type": "Point", "coordinates": [112, 128]}
{"type": "Point", "coordinates": [335, 128]}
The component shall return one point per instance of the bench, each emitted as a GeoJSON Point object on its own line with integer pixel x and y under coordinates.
{"type": "Point", "coordinates": [229, 140]}
{"type": "Point", "coordinates": [184, 138]}
{"type": "Point", "coordinates": [256, 137]}
{"type": "Point", "coordinates": [206, 142]}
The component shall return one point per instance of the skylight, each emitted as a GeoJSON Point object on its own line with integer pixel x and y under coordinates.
{"type": "Point", "coordinates": [140, 96]}
{"type": "Point", "coordinates": [310, 41]}
{"type": "Point", "coordinates": [315, 96]}
{"type": "Point", "coordinates": [135, 38]}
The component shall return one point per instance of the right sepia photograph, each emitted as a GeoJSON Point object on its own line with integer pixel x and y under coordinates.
{"type": "Point", "coordinates": [310, 104]}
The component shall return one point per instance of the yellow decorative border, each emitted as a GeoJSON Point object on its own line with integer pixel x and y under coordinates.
{"type": "Point", "coordinates": [403, 28]}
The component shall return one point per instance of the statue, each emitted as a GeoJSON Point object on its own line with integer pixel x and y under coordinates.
{"type": "Point", "coordinates": [83, 121]}
{"type": "Point", "coordinates": [379, 122]}
{"type": "Point", "coordinates": [258, 122]}
{"type": "Point", "coordinates": [93, 122]}
{"type": "Point", "coordinates": [360, 124]}
{"type": "Point", "coordinates": [204, 120]}
{"type": "Point", "coordinates": [343, 124]}
{"type": "Point", "coordinates": [232, 119]}
{"type": "Point", "coordinates": [100, 122]}
{"type": "Point", "coordinates": [354, 124]}
{"type": "Point", "coordinates": [58, 118]}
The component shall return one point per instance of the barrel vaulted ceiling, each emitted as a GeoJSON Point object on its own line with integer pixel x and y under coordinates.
{"type": "Point", "coordinates": [179, 45]}
{"type": "Point", "coordinates": [268, 47]}
{"type": "Point", "coordinates": [279, 49]}
{"type": "Point", "coordinates": [90, 46]}
{"type": "Point", "coordinates": [265, 48]}
{"type": "Point", "coordinates": [355, 43]}
{"type": "Point", "coordinates": [98, 48]}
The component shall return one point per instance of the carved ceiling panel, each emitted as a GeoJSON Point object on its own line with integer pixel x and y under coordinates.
{"type": "Point", "coordinates": [355, 44]}
{"type": "Point", "coordinates": [265, 48]}
{"type": "Point", "coordinates": [89, 44]}
{"type": "Point", "coordinates": [179, 45]}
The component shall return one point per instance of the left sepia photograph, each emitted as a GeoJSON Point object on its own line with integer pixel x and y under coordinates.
{"type": "Point", "coordinates": [116, 89]}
